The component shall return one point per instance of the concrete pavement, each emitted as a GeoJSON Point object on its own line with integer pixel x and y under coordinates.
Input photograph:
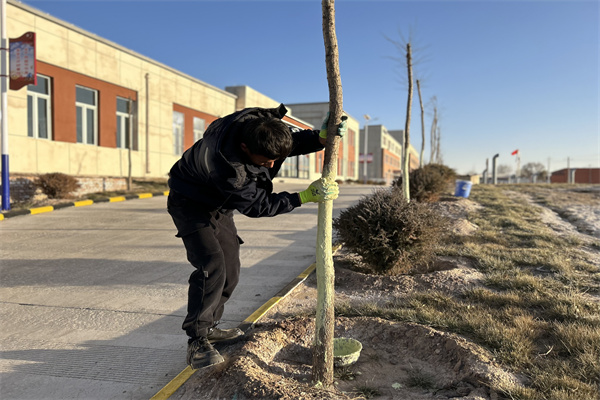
{"type": "Point", "coordinates": [92, 298]}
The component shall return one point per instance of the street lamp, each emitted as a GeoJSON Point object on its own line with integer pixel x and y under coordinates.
{"type": "Point", "coordinates": [365, 153]}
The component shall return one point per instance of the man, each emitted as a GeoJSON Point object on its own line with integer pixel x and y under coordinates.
{"type": "Point", "coordinates": [232, 168]}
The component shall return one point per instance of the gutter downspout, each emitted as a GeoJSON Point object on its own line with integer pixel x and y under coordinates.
{"type": "Point", "coordinates": [147, 123]}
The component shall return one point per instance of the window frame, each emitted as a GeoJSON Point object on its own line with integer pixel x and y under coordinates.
{"type": "Point", "coordinates": [33, 124]}
{"type": "Point", "coordinates": [85, 107]}
{"type": "Point", "coordinates": [124, 123]}
{"type": "Point", "coordinates": [178, 132]}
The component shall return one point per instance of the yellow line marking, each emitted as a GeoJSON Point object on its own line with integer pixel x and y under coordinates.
{"type": "Point", "coordinates": [307, 271]}
{"type": "Point", "coordinates": [83, 203]}
{"type": "Point", "coordinates": [115, 199]}
{"type": "Point", "coordinates": [166, 192]}
{"type": "Point", "coordinates": [184, 375]}
{"type": "Point", "coordinates": [144, 195]}
{"type": "Point", "coordinates": [40, 210]}
{"type": "Point", "coordinates": [172, 386]}
{"type": "Point", "coordinates": [1, 217]}
{"type": "Point", "coordinates": [262, 310]}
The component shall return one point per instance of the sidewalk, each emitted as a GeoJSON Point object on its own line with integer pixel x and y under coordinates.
{"type": "Point", "coordinates": [92, 298]}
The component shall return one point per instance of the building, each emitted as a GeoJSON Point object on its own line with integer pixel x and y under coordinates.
{"type": "Point", "coordinates": [413, 154]}
{"type": "Point", "coordinates": [384, 154]}
{"type": "Point", "coordinates": [576, 175]}
{"type": "Point", "coordinates": [100, 110]}
{"type": "Point", "coordinates": [347, 165]}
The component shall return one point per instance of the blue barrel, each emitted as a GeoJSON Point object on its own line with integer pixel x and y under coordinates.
{"type": "Point", "coordinates": [463, 188]}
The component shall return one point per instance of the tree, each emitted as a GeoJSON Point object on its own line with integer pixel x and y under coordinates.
{"type": "Point", "coordinates": [435, 153]}
{"type": "Point", "coordinates": [422, 124]}
{"type": "Point", "coordinates": [504, 169]}
{"type": "Point", "coordinates": [534, 170]}
{"type": "Point", "coordinates": [325, 317]}
{"type": "Point", "coordinates": [406, 158]}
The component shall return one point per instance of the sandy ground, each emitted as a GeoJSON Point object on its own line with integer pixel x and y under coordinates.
{"type": "Point", "coordinates": [399, 360]}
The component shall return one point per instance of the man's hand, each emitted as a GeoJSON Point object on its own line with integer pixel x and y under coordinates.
{"type": "Point", "coordinates": [342, 127]}
{"type": "Point", "coordinates": [320, 191]}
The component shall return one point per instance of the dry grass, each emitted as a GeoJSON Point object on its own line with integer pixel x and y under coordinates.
{"type": "Point", "coordinates": [539, 310]}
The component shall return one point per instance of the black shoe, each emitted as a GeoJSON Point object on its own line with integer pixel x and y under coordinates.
{"type": "Point", "coordinates": [216, 335]}
{"type": "Point", "coordinates": [201, 354]}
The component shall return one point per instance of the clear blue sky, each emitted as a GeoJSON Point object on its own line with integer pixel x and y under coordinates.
{"type": "Point", "coordinates": [507, 74]}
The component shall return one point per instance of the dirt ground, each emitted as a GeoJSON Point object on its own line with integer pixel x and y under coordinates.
{"type": "Point", "coordinates": [398, 361]}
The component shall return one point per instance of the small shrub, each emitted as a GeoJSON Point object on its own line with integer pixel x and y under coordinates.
{"type": "Point", "coordinates": [389, 233]}
{"type": "Point", "coordinates": [57, 185]}
{"type": "Point", "coordinates": [428, 182]}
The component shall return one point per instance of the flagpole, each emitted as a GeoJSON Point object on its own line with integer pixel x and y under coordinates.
{"type": "Point", "coordinates": [4, 111]}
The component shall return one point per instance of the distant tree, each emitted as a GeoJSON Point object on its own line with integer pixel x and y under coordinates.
{"type": "Point", "coordinates": [435, 156]}
{"type": "Point", "coordinates": [504, 169]}
{"type": "Point", "coordinates": [534, 169]}
{"type": "Point", "coordinates": [422, 124]}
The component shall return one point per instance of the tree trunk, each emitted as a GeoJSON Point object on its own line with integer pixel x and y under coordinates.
{"type": "Point", "coordinates": [433, 134]}
{"type": "Point", "coordinates": [325, 317]}
{"type": "Point", "coordinates": [405, 168]}
{"type": "Point", "coordinates": [422, 125]}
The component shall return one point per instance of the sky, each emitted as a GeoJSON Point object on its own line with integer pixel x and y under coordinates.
{"type": "Point", "coordinates": [507, 75]}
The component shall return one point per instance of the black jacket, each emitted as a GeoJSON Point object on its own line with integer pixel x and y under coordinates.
{"type": "Point", "coordinates": [215, 174]}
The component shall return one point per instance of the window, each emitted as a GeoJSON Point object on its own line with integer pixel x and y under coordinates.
{"type": "Point", "coordinates": [123, 122]}
{"type": "Point", "coordinates": [86, 102]}
{"type": "Point", "coordinates": [199, 125]}
{"type": "Point", "coordinates": [177, 133]}
{"type": "Point", "coordinates": [38, 109]}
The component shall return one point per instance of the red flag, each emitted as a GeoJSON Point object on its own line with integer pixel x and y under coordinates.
{"type": "Point", "coordinates": [514, 152]}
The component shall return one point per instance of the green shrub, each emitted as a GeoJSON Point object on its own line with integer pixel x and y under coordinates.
{"type": "Point", "coordinates": [428, 182]}
{"type": "Point", "coordinates": [390, 234]}
{"type": "Point", "coordinates": [56, 185]}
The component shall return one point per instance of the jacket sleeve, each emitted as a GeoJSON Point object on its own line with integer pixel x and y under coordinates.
{"type": "Point", "coordinates": [254, 201]}
{"type": "Point", "coordinates": [306, 142]}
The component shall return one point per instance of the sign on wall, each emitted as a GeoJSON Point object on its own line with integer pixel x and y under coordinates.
{"type": "Point", "coordinates": [22, 61]}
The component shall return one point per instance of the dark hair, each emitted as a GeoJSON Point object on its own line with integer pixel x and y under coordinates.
{"type": "Point", "coordinates": [268, 137]}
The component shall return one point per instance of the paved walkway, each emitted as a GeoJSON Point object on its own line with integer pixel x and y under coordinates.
{"type": "Point", "coordinates": [92, 298]}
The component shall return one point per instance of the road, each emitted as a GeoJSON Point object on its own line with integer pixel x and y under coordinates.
{"type": "Point", "coordinates": [92, 298]}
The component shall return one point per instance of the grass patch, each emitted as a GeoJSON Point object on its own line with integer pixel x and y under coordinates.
{"type": "Point", "coordinates": [534, 313]}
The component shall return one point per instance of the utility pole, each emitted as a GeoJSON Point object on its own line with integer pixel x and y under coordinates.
{"type": "Point", "coordinates": [4, 111]}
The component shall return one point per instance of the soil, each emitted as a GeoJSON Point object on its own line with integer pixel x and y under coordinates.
{"type": "Point", "coordinates": [399, 360]}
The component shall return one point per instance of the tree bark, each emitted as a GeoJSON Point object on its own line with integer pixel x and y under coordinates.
{"type": "Point", "coordinates": [325, 316]}
{"type": "Point", "coordinates": [405, 169]}
{"type": "Point", "coordinates": [422, 125]}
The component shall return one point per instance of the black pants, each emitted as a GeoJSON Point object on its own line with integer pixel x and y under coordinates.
{"type": "Point", "coordinates": [213, 248]}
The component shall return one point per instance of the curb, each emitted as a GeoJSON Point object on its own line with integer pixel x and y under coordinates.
{"type": "Point", "coordinates": [170, 388]}
{"type": "Point", "coordinates": [81, 203]}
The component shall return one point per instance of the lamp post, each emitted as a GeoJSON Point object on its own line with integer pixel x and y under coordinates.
{"type": "Point", "coordinates": [367, 118]}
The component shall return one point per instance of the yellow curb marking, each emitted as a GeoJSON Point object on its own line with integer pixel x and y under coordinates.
{"type": "Point", "coordinates": [83, 203]}
{"type": "Point", "coordinates": [144, 195]}
{"type": "Point", "coordinates": [115, 199]}
{"type": "Point", "coordinates": [166, 192]}
{"type": "Point", "coordinates": [1, 217]}
{"type": "Point", "coordinates": [172, 386]}
{"type": "Point", "coordinates": [262, 310]}
{"type": "Point", "coordinates": [40, 210]}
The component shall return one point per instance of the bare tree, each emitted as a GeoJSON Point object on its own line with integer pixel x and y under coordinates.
{"type": "Point", "coordinates": [406, 166]}
{"type": "Point", "coordinates": [422, 124]}
{"type": "Point", "coordinates": [534, 171]}
{"type": "Point", "coordinates": [433, 131]}
{"type": "Point", "coordinates": [407, 61]}
{"type": "Point", "coordinates": [504, 169]}
{"type": "Point", "coordinates": [325, 316]}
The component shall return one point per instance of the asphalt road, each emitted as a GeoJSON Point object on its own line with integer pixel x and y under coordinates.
{"type": "Point", "coordinates": [92, 298]}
